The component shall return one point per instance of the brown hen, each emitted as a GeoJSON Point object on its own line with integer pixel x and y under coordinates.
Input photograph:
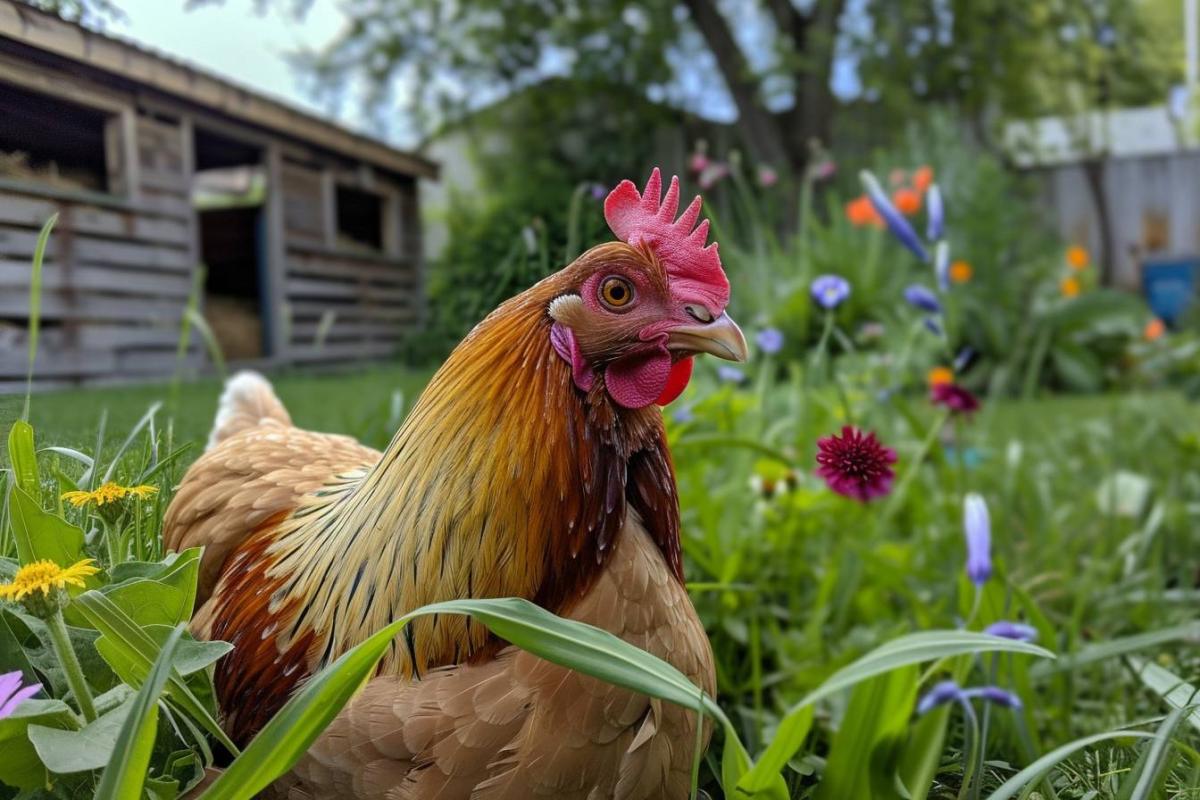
{"type": "Point", "coordinates": [533, 465]}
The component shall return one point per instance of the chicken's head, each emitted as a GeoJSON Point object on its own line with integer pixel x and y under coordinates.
{"type": "Point", "coordinates": [636, 311]}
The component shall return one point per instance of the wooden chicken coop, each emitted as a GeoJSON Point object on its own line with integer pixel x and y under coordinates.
{"type": "Point", "coordinates": [308, 233]}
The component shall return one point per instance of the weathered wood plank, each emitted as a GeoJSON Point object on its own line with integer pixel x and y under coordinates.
{"type": "Point", "coordinates": [59, 363]}
{"type": "Point", "coordinates": [14, 275]}
{"type": "Point", "coordinates": [310, 311]}
{"type": "Point", "coordinates": [306, 332]}
{"type": "Point", "coordinates": [32, 212]}
{"type": "Point", "coordinates": [362, 291]}
{"type": "Point", "coordinates": [100, 308]}
{"type": "Point", "coordinates": [396, 273]}
{"type": "Point", "coordinates": [115, 202]}
{"type": "Point", "coordinates": [99, 337]}
{"type": "Point", "coordinates": [341, 352]}
{"type": "Point", "coordinates": [20, 243]}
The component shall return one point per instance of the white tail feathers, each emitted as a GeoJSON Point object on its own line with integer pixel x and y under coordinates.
{"type": "Point", "coordinates": [247, 401]}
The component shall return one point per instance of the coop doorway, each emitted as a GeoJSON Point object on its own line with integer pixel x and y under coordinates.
{"type": "Point", "coordinates": [229, 193]}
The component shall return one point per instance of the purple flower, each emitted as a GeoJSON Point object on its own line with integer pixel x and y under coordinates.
{"type": "Point", "coordinates": [597, 191]}
{"type": "Point", "coordinates": [12, 693]}
{"type": "Point", "coordinates": [770, 340]}
{"type": "Point", "coordinates": [941, 265]}
{"type": "Point", "coordinates": [942, 693]}
{"type": "Point", "coordinates": [933, 326]}
{"type": "Point", "coordinates": [683, 414]}
{"type": "Point", "coordinates": [829, 291]}
{"type": "Point", "coordinates": [920, 297]}
{"type": "Point", "coordinates": [856, 465]}
{"type": "Point", "coordinates": [993, 694]}
{"type": "Point", "coordinates": [896, 222]}
{"type": "Point", "coordinates": [730, 374]}
{"type": "Point", "coordinates": [977, 526]}
{"type": "Point", "coordinates": [953, 397]}
{"type": "Point", "coordinates": [1012, 630]}
{"type": "Point", "coordinates": [963, 358]}
{"type": "Point", "coordinates": [950, 692]}
{"type": "Point", "coordinates": [935, 214]}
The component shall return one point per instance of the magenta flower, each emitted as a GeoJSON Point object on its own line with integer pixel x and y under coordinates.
{"type": "Point", "coordinates": [12, 693]}
{"type": "Point", "coordinates": [953, 397]}
{"type": "Point", "coordinates": [856, 465]}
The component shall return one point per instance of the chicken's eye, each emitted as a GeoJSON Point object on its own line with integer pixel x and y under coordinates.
{"type": "Point", "coordinates": [616, 292]}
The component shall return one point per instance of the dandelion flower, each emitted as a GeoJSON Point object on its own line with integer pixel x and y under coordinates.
{"type": "Point", "coordinates": [1069, 287]}
{"type": "Point", "coordinates": [12, 693]}
{"type": "Point", "coordinates": [961, 271]}
{"type": "Point", "coordinates": [45, 576]}
{"type": "Point", "coordinates": [1077, 258]}
{"type": "Point", "coordinates": [856, 465]}
{"type": "Point", "coordinates": [108, 493]}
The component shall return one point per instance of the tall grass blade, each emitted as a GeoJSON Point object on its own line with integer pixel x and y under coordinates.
{"type": "Point", "coordinates": [210, 341]}
{"type": "Point", "coordinates": [125, 774]}
{"type": "Point", "coordinates": [146, 419]}
{"type": "Point", "coordinates": [35, 306]}
{"type": "Point", "coordinates": [1175, 691]}
{"type": "Point", "coordinates": [1038, 769]}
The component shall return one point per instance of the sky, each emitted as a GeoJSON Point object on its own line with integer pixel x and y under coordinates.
{"type": "Point", "coordinates": [233, 40]}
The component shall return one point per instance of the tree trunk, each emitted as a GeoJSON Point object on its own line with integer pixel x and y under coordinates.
{"type": "Point", "coordinates": [1093, 170]}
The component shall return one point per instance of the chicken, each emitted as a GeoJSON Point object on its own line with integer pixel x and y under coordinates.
{"type": "Point", "coordinates": [533, 465]}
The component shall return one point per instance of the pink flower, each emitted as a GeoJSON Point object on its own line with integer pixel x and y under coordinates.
{"type": "Point", "coordinates": [767, 177]}
{"type": "Point", "coordinates": [953, 397]}
{"type": "Point", "coordinates": [698, 162]}
{"type": "Point", "coordinates": [856, 465]}
{"type": "Point", "coordinates": [713, 174]}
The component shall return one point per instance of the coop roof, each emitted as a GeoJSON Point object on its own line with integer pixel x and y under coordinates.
{"type": "Point", "coordinates": [125, 61]}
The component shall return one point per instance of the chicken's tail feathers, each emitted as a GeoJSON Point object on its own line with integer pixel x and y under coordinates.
{"type": "Point", "coordinates": [248, 401]}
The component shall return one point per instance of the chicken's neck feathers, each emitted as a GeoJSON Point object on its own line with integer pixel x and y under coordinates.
{"type": "Point", "coordinates": [503, 481]}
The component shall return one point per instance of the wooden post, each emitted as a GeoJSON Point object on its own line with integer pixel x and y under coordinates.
{"type": "Point", "coordinates": [130, 155]}
{"type": "Point", "coordinates": [329, 207]}
{"type": "Point", "coordinates": [276, 250]}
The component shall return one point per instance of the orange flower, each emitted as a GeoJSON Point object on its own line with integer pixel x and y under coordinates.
{"type": "Point", "coordinates": [907, 201]}
{"type": "Point", "coordinates": [861, 213]}
{"type": "Point", "coordinates": [1077, 257]}
{"type": "Point", "coordinates": [961, 272]}
{"type": "Point", "coordinates": [939, 375]}
{"type": "Point", "coordinates": [1154, 329]}
{"type": "Point", "coordinates": [1070, 287]}
{"type": "Point", "coordinates": [923, 178]}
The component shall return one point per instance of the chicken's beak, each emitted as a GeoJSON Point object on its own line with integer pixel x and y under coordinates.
{"type": "Point", "coordinates": [722, 338]}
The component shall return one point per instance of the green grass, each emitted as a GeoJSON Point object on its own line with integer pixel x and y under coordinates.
{"type": "Point", "coordinates": [361, 403]}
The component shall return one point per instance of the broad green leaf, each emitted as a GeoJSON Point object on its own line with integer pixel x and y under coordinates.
{"type": "Point", "coordinates": [131, 652]}
{"type": "Point", "coordinates": [23, 458]}
{"type": "Point", "coordinates": [581, 647]}
{"type": "Point", "coordinates": [1175, 691]}
{"type": "Point", "coordinates": [863, 759]}
{"type": "Point", "coordinates": [576, 645]}
{"type": "Point", "coordinates": [1038, 769]}
{"type": "Point", "coordinates": [19, 763]}
{"type": "Point", "coordinates": [1147, 779]}
{"type": "Point", "coordinates": [792, 732]}
{"type": "Point", "coordinates": [150, 602]}
{"type": "Point", "coordinates": [40, 534]}
{"type": "Point", "coordinates": [126, 772]}
{"type": "Point", "coordinates": [913, 648]}
{"type": "Point", "coordinates": [1187, 632]}
{"type": "Point", "coordinates": [91, 747]}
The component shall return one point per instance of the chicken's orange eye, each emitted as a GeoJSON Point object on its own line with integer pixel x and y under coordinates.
{"type": "Point", "coordinates": [616, 292]}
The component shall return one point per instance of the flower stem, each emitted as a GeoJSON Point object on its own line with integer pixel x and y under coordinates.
{"type": "Point", "coordinates": [60, 640]}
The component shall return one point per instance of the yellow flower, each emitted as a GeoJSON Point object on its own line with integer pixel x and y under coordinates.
{"type": "Point", "coordinates": [108, 493]}
{"type": "Point", "coordinates": [961, 272]}
{"type": "Point", "coordinates": [939, 375]}
{"type": "Point", "coordinates": [1070, 287]}
{"type": "Point", "coordinates": [45, 576]}
{"type": "Point", "coordinates": [1077, 258]}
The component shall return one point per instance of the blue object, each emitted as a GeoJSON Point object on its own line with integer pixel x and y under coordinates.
{"type": "Point", "coordinates": [1169, 286]}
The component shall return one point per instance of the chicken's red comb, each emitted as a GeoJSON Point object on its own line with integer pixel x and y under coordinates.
{"type": "Point", "coordinates": [694, 267]}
